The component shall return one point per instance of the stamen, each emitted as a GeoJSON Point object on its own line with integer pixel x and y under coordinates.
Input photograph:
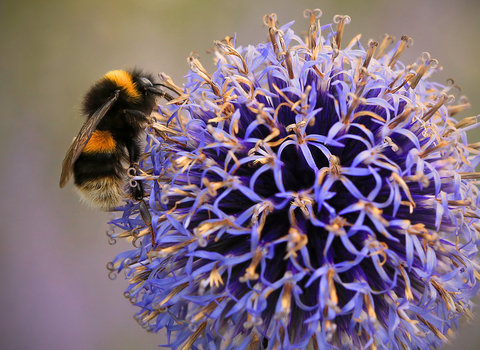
{"type": "Point", "coordinates": [205, 229]}
{"type": "Point", "coordinates": [420, 230]}
{"type": "Point", "coordinates": [434, 329]}
{"type": "Point", "coordinates": [140, 276]}
{"type": "Point", "coordinates": [173, 293]}
{"type": "Point", "coordinates": [458, 203]}
{"type": "Point", "coordinates": [442, 146]}
{"type": "Point", "coordinates": [387, 40]}
{"type": "Point", "coordinates": [406, 80]}
{"type": "Point", "coordinates": [368, 304]}
{"type": "Point", "coordinates": [465, 122]}
{"type": "Point", "coordinates": [164, 252]}
{"type": "Point", "coordinates": [361, 78]}
{"type": "Point", "coordinates": [405, 42]}
{"type": "Point", "coordinates": [315, 342]}
{"type": "Point", "coordinates": [469, 214]}
{"type": "Point", "coordinates": [331, 286]}
{"type": "Point", "coordinates": [408, 290]}
{"type": "Point", "coordinates": [262, 116]}
{"type": "Point", "coordinates": [282, 337]}
{"type": "Point", "coordinates": [427, 63]}
{"type": "Point", "coordinates": [435, 108]}
{"type": "Point", "coordinates": [462, 309]}
{"type": "Point", "coordinates": [288, 62]}
{"type": "Point", "coordinates": [254, 343]}
{"type": "Point", "coordinates": [335, 50]}
{"type": "Point", "coordinates": [197, 68]}
{"type": "Point", "coordinates": [111, 239]}
{"type": "Point", "coordinates": [403, 345]}
{"type": "Point", "coordinates": [337, 225]}
{"type": "Point", "coordinates": [168, 83]}
{"type": "Point", "coordinates": [286, 301]}
{"type": "Point", "coordinates": [340, 21]}
{"type": "Point", "coordinates": [270, 20]}
{"type": "Point", "coordinates": [372, 346]}
{"type": "Point", "coordinates": [446, 295]}
{"type": "Point", "coordinates": [313, 28]}
{"type": "Point", "coordinates": [355, 102]}
{"type": "Point", "coordinates": [335, 166]}
{"type": "Point", "coordinates": [250, 273]}
{"type": "Point", "coordinates": [372, 46]}
{"type": "Point", "coordinates": [227, 49]}
{"type": "Point", "coordinates": [273, 39]}
{"type": "Point", "coordinates": [297, 129]}
{"type": "Point", "coordinates": [194, 336]}
{"type": "Point", "coordinates": [301, 201]}
{"type": "Point", "coordinates": [463, 104]}
{"type": "Point", "coordinates": [388, 141]}
{"type": "Point", "coordinates": [400, 181]}
{"type": "Point", "coordinates": [400, 118]}
{"type": "Point", "coordinates": [296, 241]}
{"type": "Point", "coordinates": [368, 113]}
{"type": "Point", "coordinates": [207, 310]}
{"type": "Point", "coordinates": [353, 41]}
{"type": "Point", "coordinates": [470, 176]}
{"type": "Point", "coordinates": [112, 268]}
{"type": "Point", "coordinates": [276, 38]}
{"type": "Point", "coordinates": [151, 315]}
{"type": "Point", "coordinates": [215, 277]}
{"type": "Point", "coordinates": [184, 162]}
{"type": "Point", "coordinates": [288, 102]}
{"type": "Point", "coordinates": [380, 248]}
{"type": "Point", "coordinates": [262, 209]}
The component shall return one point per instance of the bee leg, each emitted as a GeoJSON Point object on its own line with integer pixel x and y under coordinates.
{"type": "Point", "coordinates": [137, 194]}
{"type": "Point", "coordinates": [137, 189]}
{"type": "Point", "coordinates": [147, 218]}
{"type": "Point", "coordinates": [137, 116]}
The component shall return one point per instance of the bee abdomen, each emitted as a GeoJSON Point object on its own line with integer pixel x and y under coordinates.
{"type": "Point", "coordinates": [99, 179]}
{"type": "Point", "coordinates": [104, 192]}
{"type": "Point", "coordinates": [98, 171]}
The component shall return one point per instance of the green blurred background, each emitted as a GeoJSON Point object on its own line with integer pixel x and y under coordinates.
{"type": "Point", "coordinates": [55, 293]}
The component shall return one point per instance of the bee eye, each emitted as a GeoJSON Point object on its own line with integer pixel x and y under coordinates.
{"type": "Point", "coordinates": [145, 82]}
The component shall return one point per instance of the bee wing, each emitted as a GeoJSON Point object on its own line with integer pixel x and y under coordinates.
{"type": "Point", "coordinates": [82, 139]}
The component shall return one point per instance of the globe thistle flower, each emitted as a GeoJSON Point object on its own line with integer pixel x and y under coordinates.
{"type": "Point", "coordinates": [309, 194]}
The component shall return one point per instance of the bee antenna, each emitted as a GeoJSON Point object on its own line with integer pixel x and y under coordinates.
{"type": "Point", "coordinates": [165, 86]}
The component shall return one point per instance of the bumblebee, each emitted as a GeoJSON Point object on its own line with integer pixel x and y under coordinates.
{"type": "Point", "coordinates": [117, 108]}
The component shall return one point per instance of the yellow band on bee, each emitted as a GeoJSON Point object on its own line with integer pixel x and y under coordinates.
{"type": "Point", "coordinates": [124, 80]}
{"type": "Point", "coordinates": [101, 141]}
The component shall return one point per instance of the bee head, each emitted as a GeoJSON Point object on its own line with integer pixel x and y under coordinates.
{"type": "Point", "coordinates": [146, 86]}
{"type": "Point", "coordinates": [144, 83]}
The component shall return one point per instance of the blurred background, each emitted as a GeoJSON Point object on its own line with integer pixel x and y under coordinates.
{"type": "Point", "coordinates": [55, 293]}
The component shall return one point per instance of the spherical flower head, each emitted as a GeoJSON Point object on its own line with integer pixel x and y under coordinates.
{"type": "Point", "coordinates": [309, 194]}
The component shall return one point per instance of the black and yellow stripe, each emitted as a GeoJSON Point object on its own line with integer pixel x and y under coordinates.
{"type": "Point", "coordinates": [99, 174]}
{"type": "Point", "coordinates": [124, 80]}
{"type": "Point", "coordinates": [102, 141]}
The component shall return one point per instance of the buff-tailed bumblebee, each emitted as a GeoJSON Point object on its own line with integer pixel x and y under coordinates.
{"type": "Point", "coordinates": [117, 107]}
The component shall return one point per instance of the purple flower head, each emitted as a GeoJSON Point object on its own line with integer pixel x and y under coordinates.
{"type": "Point", "coordinates": [309, 194]}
